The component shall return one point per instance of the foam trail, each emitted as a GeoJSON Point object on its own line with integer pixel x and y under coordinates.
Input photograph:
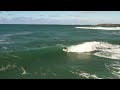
{"type": "Point", "coordinates": [24, 71]}
{"type": "Point", "coordinates": [3, 68]}
{"type": "Point", "coordinates": [86, 75]}
{"type": "Point", "coordinates": [114, 68]}
{"type": "Point", "coordinates": [102, 28]}
{"type": "Point", "coordinates": [101, 49]}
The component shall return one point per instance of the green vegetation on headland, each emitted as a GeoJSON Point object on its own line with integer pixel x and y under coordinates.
{"type": "Point", "coordinates": [108, 25]}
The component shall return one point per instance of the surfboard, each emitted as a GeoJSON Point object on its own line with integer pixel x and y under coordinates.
{"type": "Point", "coordinates": [65, 50]}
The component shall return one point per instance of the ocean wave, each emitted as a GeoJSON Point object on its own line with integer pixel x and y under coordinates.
{"type": "Point", "coordinates": [112, 33]}
{"type": "Point", "coordinates": [84, 47]}
{"type": "Point", "coordinates": [101, 49]}
{"type": "Point", "coordinates": [14, 34]}
{"type": "Point", "coordinates": [5, 42]}
{"type": "Point", "coordinates": [102, 28]}
{"type": "Point", "coordinates": [2, 40]}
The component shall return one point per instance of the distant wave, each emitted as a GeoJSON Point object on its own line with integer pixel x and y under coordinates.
{"type": "Point", "coordinates": [101, 49]}
{"type": "Point", "coordinates": [112, 33]}
{"type": "Point", "coordinates": [6, 42]}
{"type": "Point", "coordinates": [2, 40]}
{"type": "Point", "coordinates": [14, 34]}
{"type": "Point", "coordinates": [102, 28]}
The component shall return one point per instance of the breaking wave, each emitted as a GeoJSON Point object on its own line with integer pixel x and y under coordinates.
{"type": "Point", "coordinates": [101, 49]}
{"type": "Point", "coordinates": [102, 28]}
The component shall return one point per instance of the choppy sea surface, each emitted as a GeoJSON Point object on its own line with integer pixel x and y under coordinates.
{"type": "Point", "coordinates": [37, 52]}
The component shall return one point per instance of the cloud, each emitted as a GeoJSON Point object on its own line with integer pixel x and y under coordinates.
{"type": "Point", "coordinates": [10, 14]}
{"type": "Point", "coordinates": [29, 20]}
{"type": "Point", "coordinates": [1, 11]}
{"type": "Point", "coordinates": [23, 20]}
{"type": "Point", "coordinates": [85, 12]}
{"type": "Point", "coordinates": [81, 17]}
{"type": "Point", "coordinates": [4, 11]}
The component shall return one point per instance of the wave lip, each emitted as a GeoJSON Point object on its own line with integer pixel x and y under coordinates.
{"type": "Point", "coordinates": [102, 28]}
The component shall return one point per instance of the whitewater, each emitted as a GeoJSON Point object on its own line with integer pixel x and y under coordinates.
{"type": "Point", "coordinates": [101, 49]}
{"type": "Point", "coordinates": [101, 28]}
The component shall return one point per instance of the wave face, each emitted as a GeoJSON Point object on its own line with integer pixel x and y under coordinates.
{"type": "Point", "coordinates": [102, 28]}
{"type": "Point", "coordinates": [102, 49]}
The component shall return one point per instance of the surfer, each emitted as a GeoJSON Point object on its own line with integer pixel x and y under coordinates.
{"type": "Point", "coordinates": [65, 49]}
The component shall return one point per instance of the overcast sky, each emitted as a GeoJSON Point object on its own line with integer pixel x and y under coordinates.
{"type": "Point", "coordinates": [59, 17]}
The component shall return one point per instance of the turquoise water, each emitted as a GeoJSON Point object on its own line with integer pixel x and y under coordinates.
{"type": "Point", "coordinates": [36, 52]}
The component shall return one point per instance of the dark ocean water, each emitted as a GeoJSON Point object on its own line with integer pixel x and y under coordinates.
{"type": "Point", "coordinates": [36, 51]}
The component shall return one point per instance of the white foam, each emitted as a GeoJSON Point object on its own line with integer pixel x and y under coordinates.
{"type": "Point", "coordinates": [86, 75]}
{"type": "Point", "coordinates": [114, 68]}
{"type": "Point", "coordinates": [102, 49]}
{"type": "Point", "coordinates": [4, 68]}
{"type": "Point", "coordinates": [102, 28]}
{"type": "Point", "coordinates": [24, 71]}
{"type": "Point", "coordinates": [84, 47]}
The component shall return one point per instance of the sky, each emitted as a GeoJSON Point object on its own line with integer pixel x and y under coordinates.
{"type": "Point", "coordinates": [60, 17]}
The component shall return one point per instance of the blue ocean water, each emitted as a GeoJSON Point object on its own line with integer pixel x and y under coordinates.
{"type": "Point", "coordinates": [36, 51]}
